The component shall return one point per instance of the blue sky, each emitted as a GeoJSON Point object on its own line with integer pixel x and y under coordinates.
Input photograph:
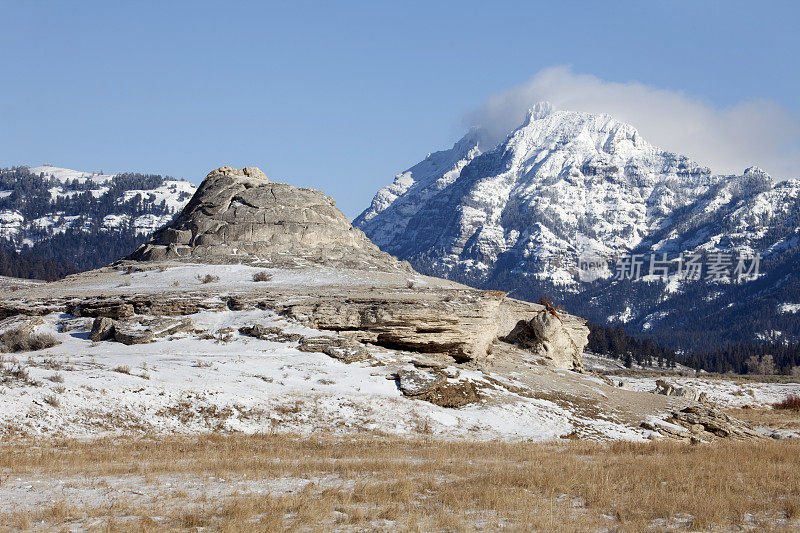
{"type": "Point", "coordinates": [341, 96]}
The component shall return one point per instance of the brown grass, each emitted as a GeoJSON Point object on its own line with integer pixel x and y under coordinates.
{"type": "Point", "coordinates": [791, 402]}
{"type": "Point", "coordinates": [770, 418]}
{"type": "Point", "coordinates": [391, 484]}
{"type": "Point", "coordinates": [208, 278]}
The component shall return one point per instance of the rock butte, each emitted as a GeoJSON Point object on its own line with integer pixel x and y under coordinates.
{"type": "Point", "coordinates": [238, 215]}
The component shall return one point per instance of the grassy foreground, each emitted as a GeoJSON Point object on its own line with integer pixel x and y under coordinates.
{"type": "Point", "coordinates": [274, 482]}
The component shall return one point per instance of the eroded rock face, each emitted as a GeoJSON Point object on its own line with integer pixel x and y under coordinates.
{"type": "Point", "coordinates": [557, 337]}
{"type": "Point", "coordinates": [238, 215]}
{"type": "Point", "coordinates": [463, 330]}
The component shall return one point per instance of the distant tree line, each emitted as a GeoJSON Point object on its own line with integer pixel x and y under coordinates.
{"type": "Point", "coordinates": [749, 359]}
{"type": "Point", "coordinates": [616, 344]}
{"type": "Point", "coordinates": [29, 265]}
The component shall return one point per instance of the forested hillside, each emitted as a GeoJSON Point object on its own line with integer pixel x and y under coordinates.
{"type": "Point", "coordinates": [55, 221]}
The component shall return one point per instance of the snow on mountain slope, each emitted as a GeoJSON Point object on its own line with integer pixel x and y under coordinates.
{"type": "Point", "coordinates": [562, 182]}
{"type": "Point", "coordinates": [66, 174]}
{"type": "Point", "coordinates": [565, 186]}
{"type": "Point", "coordinates": [400, 200]}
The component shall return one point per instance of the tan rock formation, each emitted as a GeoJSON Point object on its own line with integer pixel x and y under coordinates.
{"type": "Point", "coordinates": [241, 216]}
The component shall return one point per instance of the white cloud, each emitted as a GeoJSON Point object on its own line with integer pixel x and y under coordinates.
{"type": "Point", "coordinates": [757, 132]}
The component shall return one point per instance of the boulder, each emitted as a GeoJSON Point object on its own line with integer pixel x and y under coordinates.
{"type": "Point", "coordinates": [269, 333]}
{"type": "Point", "coordinates": [689, 393]}
{"type": "Point", "coordinates": [102, 329]}
{"type": "Point", "coordinates": [344, 349]}
{"type": "Point", "coordinates": [415, 381]}
{"type": "Point", "coordinates": [556, 337]}
{"type": "Point", "coordinates": [142, 330]}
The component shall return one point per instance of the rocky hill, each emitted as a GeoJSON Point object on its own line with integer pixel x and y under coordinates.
{"type": "Point", "coordinates": [82, 219]}
{"type": "Point", "coordinates": [566, 190]}
{"type": "Point", "coordinates": [240, 215]}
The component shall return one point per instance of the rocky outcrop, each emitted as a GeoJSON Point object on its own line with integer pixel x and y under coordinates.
{"type": "Point", "coordinates": [690, 393]}
{"type": "Point", "coordinates": [461, 323]}
{"type": "Point", "coordinates": [344, 349]}
{"type": "Point", "coordinates": [701, 423]}
{"type": "Point", "coordinates": [462, 328]}
{"type": "Point", "coordinates": [138, 330]}
{"type": "Point", "coordinates": [238, 215]}
{"type": "Point", "coordinates": [555, 336]}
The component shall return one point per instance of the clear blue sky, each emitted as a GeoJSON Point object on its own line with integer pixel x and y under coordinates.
{"type": "Point", "coordinates": [342, 95]}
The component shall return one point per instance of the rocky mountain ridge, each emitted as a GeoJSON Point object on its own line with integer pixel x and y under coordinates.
{"type": "Point", "coordinates": [564, 186]}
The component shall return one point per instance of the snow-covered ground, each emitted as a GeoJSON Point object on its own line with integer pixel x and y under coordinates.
{"type": "Point", "coordinates": [229, 382]}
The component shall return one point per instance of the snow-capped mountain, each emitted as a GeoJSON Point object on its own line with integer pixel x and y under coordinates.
{"type": "Point", "coordinates": [84, 218]}
{"type": "Point", "coordinates": [564, 186]}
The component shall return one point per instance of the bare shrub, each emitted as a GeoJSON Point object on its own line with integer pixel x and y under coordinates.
{"type": "Point", "coordinates": [18, 340]}
{"type": "Point", "coordinates": [262, 276]}
{"type": "Point", "coordinates": [791, 402]}
{"type": "Point", "coordinates": [52, 364]}
{"type": "Point", "coordinates": [10, 374]}
{"type": "Point", "coordinates": [123, 369]}
{"type": "Point", "coordinates": [208, 278]}
{"type": "Point", "coordinates": [52, 400]}
{"type": "Point", "coordinates": [56, 378]}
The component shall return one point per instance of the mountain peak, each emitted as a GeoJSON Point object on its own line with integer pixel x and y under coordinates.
{"type": "Point", "coordinates": [539, 111]}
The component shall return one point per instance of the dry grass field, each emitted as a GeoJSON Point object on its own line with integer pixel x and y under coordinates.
{"type": "Point", "coordinates": [277, 482]}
